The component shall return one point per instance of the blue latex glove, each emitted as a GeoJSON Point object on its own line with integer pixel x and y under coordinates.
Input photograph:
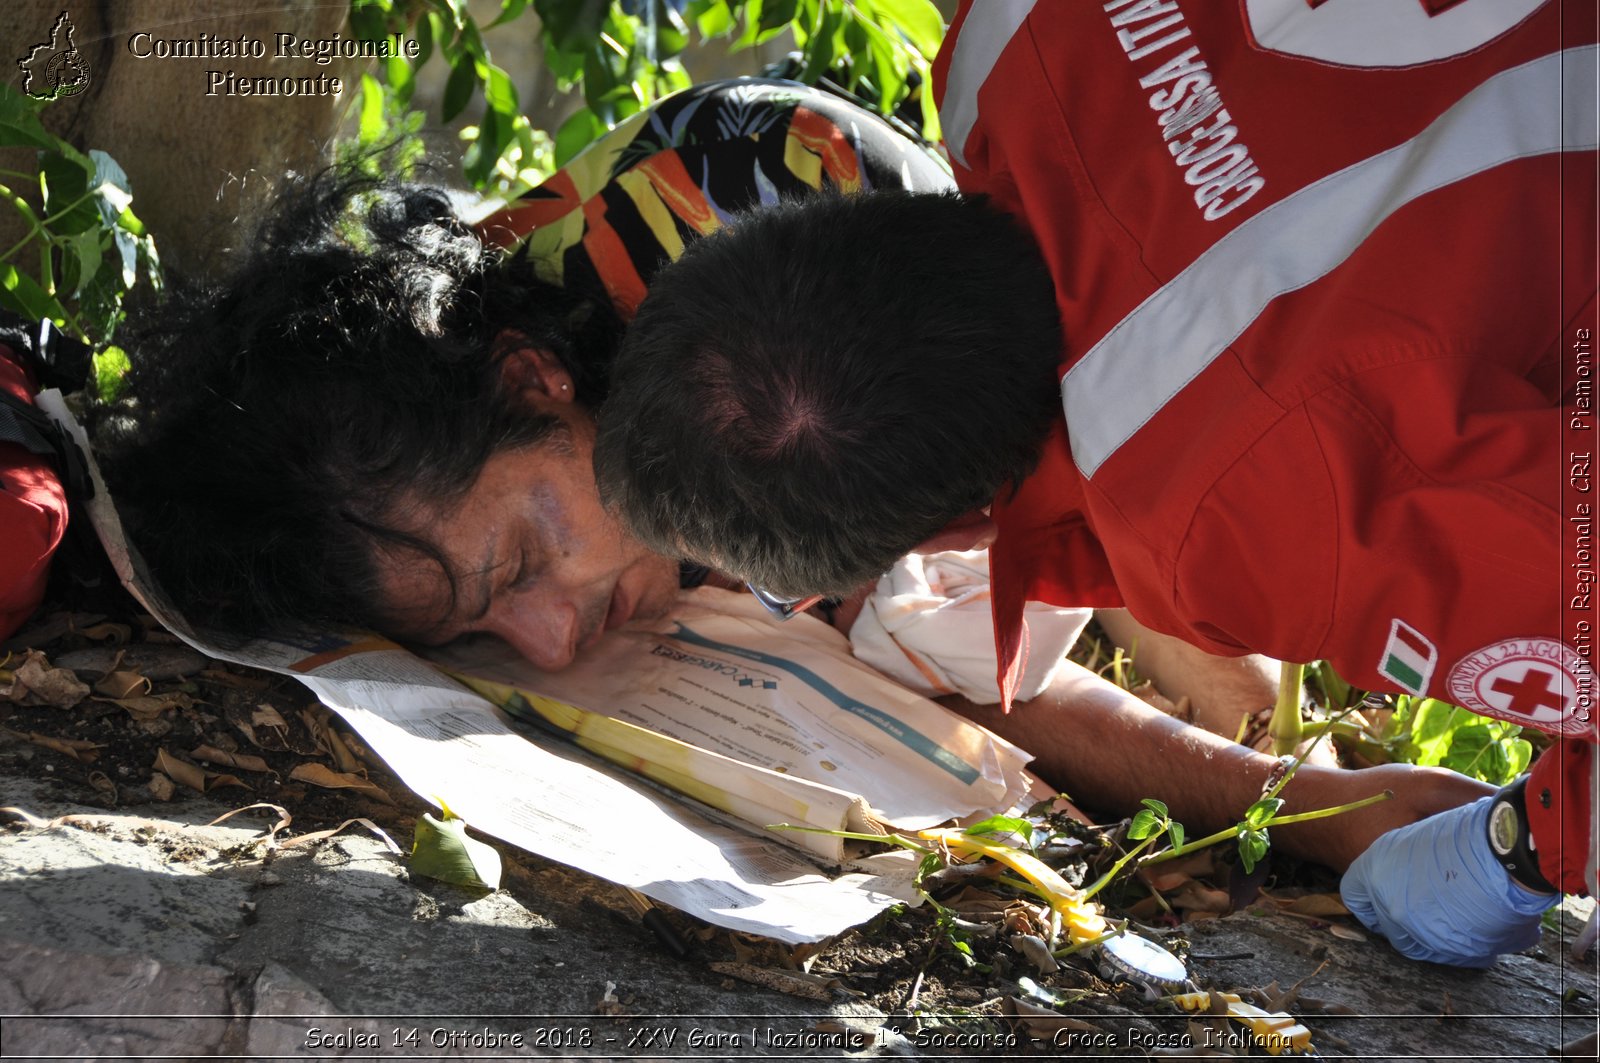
{"type": "Point", "coordinates": [1435, 890]}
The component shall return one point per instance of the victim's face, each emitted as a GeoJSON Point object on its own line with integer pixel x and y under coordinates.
{"type": "Point", "coordinates": [536, 559]}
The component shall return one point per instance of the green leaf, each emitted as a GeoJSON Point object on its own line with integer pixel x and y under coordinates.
{"type": "Point", "coordinates": [930, 113]}
{"type": "Point", "coordinates": [1488, 750]}
{"type": "Point", "coordinates": [19, 121]}
{"type": "Point", "coordinates": [916, 20]}
{"type": "Point", "coordinates": [402, 80]}
{"type": "Point", "coordinates": [22, 293]}
{"type": "Point", "coordinates": [1003, 825]}
{"type": "Point", "coordinates": [444, 37]}
{"type": "Point", "coordinates": [822, 47]}
{"type": "Point", "coordinates": [371, 125]}
{"type": "Point", "coordinates": [424, 36]}
{"type": "Point", "coordinates": [1252, 848]}
{"type": "Point", "coordinates": [111, 187]}
{"type": "Point", "coordinates": [84, 252]}
{"type": "Point", "coordinates": [129, 240]}
{"type": "Point", "coordinates": [367, 21]}
{"type": "Point", "coordinates": [575, 134]}
{"type": "Point", "coordinates": [1175, 830]}
{"type": "Point", "coordinates": [776, 14]}
{"type": "Point", "coordinates": [1433, 725]}
{"type": "Point", "coordinates": [494, 134]}
{"type": "Point", "coordinates": [1145, 823]}
{"type": "Point", "coordinates": [572, 25]}
{"type": "Point", "coordinates": [110, 366]}
{"type": "Point", "coordinates": [68, 205]}
{"type": "Point", "coordinates": [1519, 753]}
{"type": "Point", "coordinates": [458, 88]}
{"type": "Point", "coordinates": [672, 33]}
{"type": "Point", "coordinates": [713, 18]}
{"type": "Point", "coordinates": [441, 849]}
{"type": "Point", "coordinates": [671, 77]}
{"type": "Point", "coordinates": [604, 73]}
{"type": "Point", "coordinates": [1155, 806]}
{"type": "Point", "coordinates": [509, 10]}
{"type": "Point", "coordinates": [1262, 811]}
{"type": "Point", "coordinates": [498, 91]}
{"type": "Point", "coordinates": [888, 68]}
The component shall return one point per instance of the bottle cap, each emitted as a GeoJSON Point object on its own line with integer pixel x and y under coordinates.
{"type": "Point", "coordinates": [1135, 959]}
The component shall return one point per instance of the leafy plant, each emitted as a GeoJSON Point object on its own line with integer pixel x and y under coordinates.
{"type": "Point", "coordinates": [84, 248]}
{"type": "Point", "coordinates": [1433, 733]}
{"type": "Point", "coordinates": [1436, 734]}
{"type": "Point", "coordinates": [623, 55]}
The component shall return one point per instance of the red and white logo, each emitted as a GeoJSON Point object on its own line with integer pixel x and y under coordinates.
{"type": "Point", "coordinates": [1537, 682]}
{"type": "Point", "coordinates": [1381, 33]}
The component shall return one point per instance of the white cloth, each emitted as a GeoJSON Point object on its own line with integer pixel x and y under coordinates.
{"type": "Point", "coordinates": [928, 626]}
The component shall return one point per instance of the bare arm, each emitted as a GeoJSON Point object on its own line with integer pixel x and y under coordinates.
{"type": "Point", "coordinates": [1107, 750]}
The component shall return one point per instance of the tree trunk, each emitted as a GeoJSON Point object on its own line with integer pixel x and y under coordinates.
{"type": "Point", "coordinates": [199, 163]}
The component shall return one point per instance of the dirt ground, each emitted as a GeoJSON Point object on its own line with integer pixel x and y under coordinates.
{"type": "Point", "coordinates": [273, 934]}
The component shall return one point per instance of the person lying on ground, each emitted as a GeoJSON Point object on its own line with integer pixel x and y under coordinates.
{"type": "Point", "coordinates": [383, 420]}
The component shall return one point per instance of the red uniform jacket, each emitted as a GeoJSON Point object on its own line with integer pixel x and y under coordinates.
{"type": "Point", "coordinates": [1328, 292]}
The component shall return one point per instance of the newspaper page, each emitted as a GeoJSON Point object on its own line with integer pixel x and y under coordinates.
{"type": "Point", "coordinates": [774, 720]}
{"type": "Point", "coordinates": [447, 743]}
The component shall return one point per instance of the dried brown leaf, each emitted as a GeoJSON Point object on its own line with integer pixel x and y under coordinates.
{"type": "Point", "coordinates": [284, 818]}
{"type": "Point", "coordinates": [1044, 1023]}
{"type": "Point", "coordinates": [195, 778]}
{"type": "Point", "coordinates": [1194, 896]}
{"type": "Point", "coordinates": [39, 823]}
{"type": "Point", "coordinates": [79, 749]}
{"type": "Point", "coordinates": [343, 759]}
{"type": "Point", "coordinates": [181, 771]}
{"type": "Point", "coordinates": [150, 706]}
{"type": "Point", "coordinates": [322, 835]}
{"type": "Point", "coordinates": [267, 716]}
{"type": "Point", "coordinates": [35, 682]}
{"type": "Point", "coordinates": [116, 634]}
{"type": "Point", "coordinates": [117, 685]}
{"type": "Point", "coordinates": [1319, 905]}
{"type": "Point", "coordinates": [794, 983]}
{"type": "Point", "coordinates": [1036, 952]}
{"type": "Point", "coordinates": [242, 761]}
{"type": "Point", "coordinates": [743, 951]}
{"type": "Point", "coordinates": [322, 775]}
{"type": "Point", "coordinates": [319, 721]}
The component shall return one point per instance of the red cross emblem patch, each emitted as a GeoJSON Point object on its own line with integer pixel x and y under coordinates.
{"type": "Point", "coordinates": [1537, 682]}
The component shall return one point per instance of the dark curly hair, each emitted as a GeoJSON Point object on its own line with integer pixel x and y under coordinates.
{"type": "Point", "coordinates": [276, 426]}
{"type": "Point", "coordinates": [810, 392]}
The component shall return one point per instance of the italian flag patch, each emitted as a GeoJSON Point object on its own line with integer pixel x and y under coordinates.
{"type": "Point", "coordinates": [1408, 659]}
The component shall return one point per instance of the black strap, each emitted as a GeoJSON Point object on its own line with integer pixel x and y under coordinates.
{"type": "Point", "coordinates": [25, 424]}
{"type": "Point", "coordinates": [58, 360]}
{"type": "Point", "coordinates": [1512, 842]}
